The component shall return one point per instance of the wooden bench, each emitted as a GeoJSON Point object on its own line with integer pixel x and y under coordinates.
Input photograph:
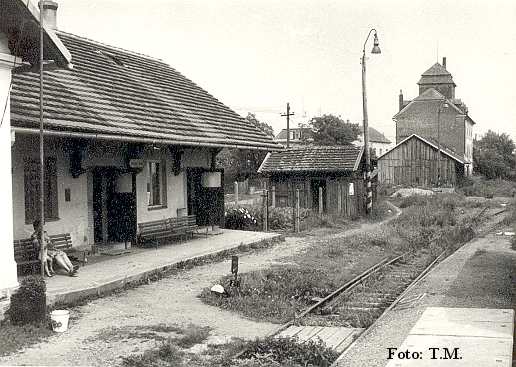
{"type": "Point", "coordinates": [26, 254]}
{"type": "Point", "coordinates": [158, 230]}
{"type": "Point", "coordinates": [64, 243]}
{"type": "Point", "coordinates": [186, 225]}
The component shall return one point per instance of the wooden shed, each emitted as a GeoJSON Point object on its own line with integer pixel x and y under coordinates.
{"type": "Point", "coordinates": [328, 177]}
{"type": "Point", "coordinates": [416, 161]}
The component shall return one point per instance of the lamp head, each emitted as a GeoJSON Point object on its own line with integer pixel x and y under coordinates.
{"type": "Point", "coordinates": [376, 46]}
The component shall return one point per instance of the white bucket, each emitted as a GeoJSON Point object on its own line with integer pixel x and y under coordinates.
{"type": "Point", "coordinates": [59, 319]}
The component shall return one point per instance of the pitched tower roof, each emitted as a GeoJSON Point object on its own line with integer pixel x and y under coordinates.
{"type": "Point", "coordinates": [437, 74]}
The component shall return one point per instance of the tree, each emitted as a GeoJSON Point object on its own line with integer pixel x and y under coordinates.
{"type": "Point", "coordinates": [263, 126]}
{"type": "Point", "coordinates": [493, 155]}
{"type": "Point", "coordinates": [241, 164]}
{"type": "Point", "coordinates": [332, 130]}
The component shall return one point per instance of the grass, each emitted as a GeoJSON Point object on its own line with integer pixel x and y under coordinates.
{"type": "Point", "coordinates": [15, 338]}
{"type": "Point", "coordinates": [264, 352]}
{"type": "Point", "coordinates": [479, 186]}
{"type": "Point", "coordinates": [438, 222]}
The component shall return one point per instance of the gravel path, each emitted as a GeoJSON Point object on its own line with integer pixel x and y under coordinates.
{"type": "Point", "coordinates": [100, 331]}
{"type": "Point", "coordinates": [172, 300]}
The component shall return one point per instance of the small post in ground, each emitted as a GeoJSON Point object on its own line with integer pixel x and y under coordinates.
{"type": "Point", "coordinates": [297, 228]}
{"type": "Point", "coordinates": [265, 204]}
{"type": "Point", "coordinates": [236, 192]}
{"type": "Point", "coordinates": [273, 198]}
{"type": "Point", "coordinates": [320, 200]}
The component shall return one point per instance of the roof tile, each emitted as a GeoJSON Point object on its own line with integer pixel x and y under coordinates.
{"type": "Point", "coordinates": [313, 158]}
{"type": "Point", "coordinates": [131, 95]}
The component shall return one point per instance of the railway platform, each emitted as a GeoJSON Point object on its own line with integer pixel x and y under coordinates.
{"type": "Point", "coordinates": [464, 306]}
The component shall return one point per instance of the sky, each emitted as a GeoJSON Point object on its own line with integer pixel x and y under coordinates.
{"type": "Point", "coordinates": [257, 55]}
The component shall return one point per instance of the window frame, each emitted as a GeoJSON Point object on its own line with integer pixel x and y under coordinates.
{"type": "Point", "coordinates": [31, 193]}
{"type": "Point", "coordinates": [162, 185]}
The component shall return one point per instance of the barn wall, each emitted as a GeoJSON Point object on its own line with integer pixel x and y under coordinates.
{"type": "Point", "coordinates": [416, 163]}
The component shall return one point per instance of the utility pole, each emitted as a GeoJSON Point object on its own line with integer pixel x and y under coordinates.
{"type": "Point", "coordinates": [41, 146]}
{"type": "Point", "coordinates": [287, 115]}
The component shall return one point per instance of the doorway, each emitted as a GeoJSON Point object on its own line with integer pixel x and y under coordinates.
{"type": "Point", "coordinates": [207, 204]}
{"type": "Point", "coordinates": [114, 206]}
{"type": "Point", "coordinates": [315, 184]}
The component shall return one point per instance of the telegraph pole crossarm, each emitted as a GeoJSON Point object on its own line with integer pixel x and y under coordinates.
{"type": "Point", "coordinates": [287, 115]}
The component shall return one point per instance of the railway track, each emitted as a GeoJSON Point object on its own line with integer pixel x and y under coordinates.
{"type": "Point", "coordinates": [361, 302]}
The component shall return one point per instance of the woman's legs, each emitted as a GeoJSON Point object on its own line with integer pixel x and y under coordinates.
{"type": "Point", "coordinates": [64, 262]}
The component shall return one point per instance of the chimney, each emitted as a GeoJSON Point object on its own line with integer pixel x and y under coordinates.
{"type": "Point", "coordinates": [49, 9]}
{"type": "Point", "coordinates": [444, 62]}
{"type": "Point", "coordinates": [401, 100]}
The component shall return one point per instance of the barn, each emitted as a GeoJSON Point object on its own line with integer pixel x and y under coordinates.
{"type": "Point", "coordinates": [417, 161]}
{"type": "Point", "coordinates": [330, 179]}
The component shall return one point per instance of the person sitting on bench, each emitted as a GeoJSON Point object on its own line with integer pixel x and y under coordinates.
{"type": "Point", "coordinates": [51, 254]}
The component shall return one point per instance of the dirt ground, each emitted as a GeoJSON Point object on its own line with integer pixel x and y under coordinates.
{"type": "Point", "coordinates": [104, 330]}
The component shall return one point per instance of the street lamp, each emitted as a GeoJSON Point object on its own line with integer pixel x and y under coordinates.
{"type": "Point", "coordinates": [375, 50]}
{"type": "Point", "coordinates": [442, 104]}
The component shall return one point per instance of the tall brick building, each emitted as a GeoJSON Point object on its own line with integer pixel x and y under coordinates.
{"type": "Point", "coordinates": [437, 116]}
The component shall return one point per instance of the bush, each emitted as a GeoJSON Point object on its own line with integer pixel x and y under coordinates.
{"type": "Point", "coordinates": [250, 217]}
{"type": "Point", "coordinates": [241, 218]}
{"type": "Point", "coordinates": [288, 352]}
{"type": "Point", "coordinates": [29, 303]}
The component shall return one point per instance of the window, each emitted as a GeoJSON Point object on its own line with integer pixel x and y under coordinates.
{"type": "Point", "coordinates": [156, 183]}
{"type": "Point", "coordinates": [32, 189]}
{"type": "Point", "coordinates": [351, 189]}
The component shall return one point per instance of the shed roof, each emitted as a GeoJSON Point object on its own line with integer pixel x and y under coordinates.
{"type": "Point", "coordinates": [113, 93]}
{"type": "Point", "coordinates": [313, 159]}
{"type": "Point", "coordinates": [430, 142]}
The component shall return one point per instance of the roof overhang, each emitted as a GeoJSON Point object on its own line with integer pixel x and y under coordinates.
{"type": "Point", "coordinates": [147, 139]}
{"type": "Point", "coordinates": [20, 22]}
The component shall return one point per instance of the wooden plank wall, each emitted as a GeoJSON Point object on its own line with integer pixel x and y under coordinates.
{"type": "Point", "coordinates": [415, 163]}
{"type": "Point", "coordinates": [338, 198]}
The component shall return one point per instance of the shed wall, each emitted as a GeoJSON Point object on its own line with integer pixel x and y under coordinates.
{"type": "Point", "coordinates": [416, 163]}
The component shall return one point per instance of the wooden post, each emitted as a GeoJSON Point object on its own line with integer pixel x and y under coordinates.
{"type": "Point", "coordinates": [273, 199]}
{"type": "Point", "coordinates": [265, 205]}
{"type": "Point", "coordinates": [320, 200]}
{"type": "Point", "coordinates": [236, 192]}
{"type": "Point", "coordinates": [297, 228]}
{"type": "Point", "coordinates": [339, 198]}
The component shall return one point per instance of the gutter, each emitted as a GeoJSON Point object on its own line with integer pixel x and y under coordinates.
{"type": "Point", "coordinates": [129, 139]}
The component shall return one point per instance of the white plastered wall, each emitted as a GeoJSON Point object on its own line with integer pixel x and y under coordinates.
{"type": "Point", "coordinates": [8, 275]}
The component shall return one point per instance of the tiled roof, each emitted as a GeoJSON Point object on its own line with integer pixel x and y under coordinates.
{"type": "Point", "coordinates": [425, 106]}
{"type": "Point", "coordinates": [114, 92]}
{"type": "Point", "coordinates": [437, 74]}
{"type": "Point", "coordinates": [436, 69]}
{"type": "Point", "coordinates": [313, 159]}
{"type": "Point", "coordinates": [377, 137]}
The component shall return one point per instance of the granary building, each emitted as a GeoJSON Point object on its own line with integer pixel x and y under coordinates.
{"type": "Point", "coordinates": [128, 139]}
{"type": "Point", "coordinates": [434, 135]}
{"type": "Point", "coordinates": [330, 179]}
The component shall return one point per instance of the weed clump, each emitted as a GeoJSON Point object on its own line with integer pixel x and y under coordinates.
{"type": "Point", "coordinates": [287, 352]}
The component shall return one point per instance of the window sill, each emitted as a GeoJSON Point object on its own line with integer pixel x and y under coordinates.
{"type": "Point", "coordinates": [156, 207]}
{"type": "Point", "coordinates": [46, 220]}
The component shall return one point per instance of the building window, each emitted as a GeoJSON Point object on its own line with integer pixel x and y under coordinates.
{"type": "Point", "coordinates": [32, 190]}
{"type": "Point", "coordinates": [156, 183]}
{"type": "Point", "coordinates": [351, 189]}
